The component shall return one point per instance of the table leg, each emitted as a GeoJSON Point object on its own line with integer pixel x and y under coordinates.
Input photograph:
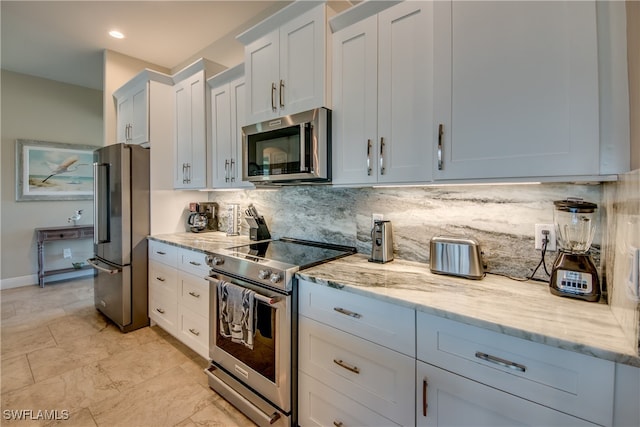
{"type": "Point", "coordinates": [41, 264]}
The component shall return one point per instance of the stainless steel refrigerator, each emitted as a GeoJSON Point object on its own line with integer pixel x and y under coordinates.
{"type": "Point", "coordinates": [121, 226]}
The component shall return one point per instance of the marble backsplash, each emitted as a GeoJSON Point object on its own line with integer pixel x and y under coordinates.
{"type": "Point", "coordinates": [622, 201]}
{"type": "Point", "coordinates": [500, 217]}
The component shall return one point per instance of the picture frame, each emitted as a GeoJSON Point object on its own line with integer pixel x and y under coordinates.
{"type": "Point", "coordinates": [53, 171]}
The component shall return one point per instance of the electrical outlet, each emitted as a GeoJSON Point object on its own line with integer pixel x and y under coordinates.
{"type": "Point", "coordinates": [66, 252]}
{"type": "Point", "coordinates": [376, 216]}
{"type": "Point", "coordinates": [540, 236]}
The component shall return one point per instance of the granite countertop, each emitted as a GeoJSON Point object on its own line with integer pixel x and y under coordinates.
{"type": "Point", "coordinates": [524, 310]}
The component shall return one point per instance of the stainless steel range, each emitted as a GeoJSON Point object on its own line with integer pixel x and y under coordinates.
{"type": "Point", "coordinates": [253, 333]}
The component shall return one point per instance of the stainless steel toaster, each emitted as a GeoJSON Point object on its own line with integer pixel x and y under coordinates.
{"type": "Point", "coordinates": [456, 256]}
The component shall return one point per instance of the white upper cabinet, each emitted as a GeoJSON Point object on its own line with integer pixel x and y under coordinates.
{"type": "Point", "coordinates": [286, 62]}
{"type": "Point", "coordinates": [517, 89]}
{"type": "Point", "coordinates": [190, 125]}
{"type": "Point", "coordinates": [227, 118]}
{"type": "Point", "coordinates": [383, 84]}
{"type": "Point", "coordinates": [133, 107]}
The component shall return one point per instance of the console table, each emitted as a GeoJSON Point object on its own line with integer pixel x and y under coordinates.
{"type": "Point", "coordinates": [50, 234]}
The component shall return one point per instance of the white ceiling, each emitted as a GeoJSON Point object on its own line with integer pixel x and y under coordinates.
{"type": "Point", "coordinates": [64, 40]}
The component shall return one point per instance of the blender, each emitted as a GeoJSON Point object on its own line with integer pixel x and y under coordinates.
{"type": "Point", "coordinates": [574, 273]}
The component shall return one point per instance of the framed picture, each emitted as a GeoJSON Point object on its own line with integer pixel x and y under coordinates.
{"type": "Point", "coordinates": [53, 171]}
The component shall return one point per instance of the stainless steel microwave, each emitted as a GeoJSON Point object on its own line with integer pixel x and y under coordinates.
{"type": "Point", "coordinates": [294, 148]}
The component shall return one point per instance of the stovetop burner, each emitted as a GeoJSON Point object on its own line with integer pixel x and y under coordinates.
{"type": "Point", "coordinates": [273, 263]}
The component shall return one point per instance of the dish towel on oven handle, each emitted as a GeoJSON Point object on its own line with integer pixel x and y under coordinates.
{"type": "Point", "coordinates": [236, 308]}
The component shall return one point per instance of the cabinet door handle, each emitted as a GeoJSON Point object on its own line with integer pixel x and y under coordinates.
{"type": "Point", "coordinates": [440, 134]}
{"type": "Point", "coordinates": [381, 156]}
{"type": "Point", "coordinates": [273, 96]}
{"type": "Point", "coordinates": [226, 170]}
{"type": "Point", "coordinates": [347, 312]}
{"type": "Point", "coordinates": [160, 279]}
{"type": "Point", "coordinates": [193, 294]}
{"type": "Point", "coordinates": [424, 397]}
{"type": "Point", "coordinates": [369, 157]}
{"type": "Point", "coordinates": [502, 362]}
{"type": "Point", "coordinates": [161, 253]}
{"type": "Point", "coordinates": [194, 332]}
{"type": "Point", "coordinates": [188, 173]}
{"type": "Point", "coordinates": [159, 310]}
{"type": "Point", "coordinates": [346, 366]}
{"type": "Point", "coordinates": [197, 264]}
{"type": "Point", "coordinates": [281, 93]}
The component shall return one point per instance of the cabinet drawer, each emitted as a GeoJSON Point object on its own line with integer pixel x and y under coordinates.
{"type": "Point", "coordinates": [163, 276]}
{"type": "Point", "coordinates": [386, 324]}
{"type": "Point", "coordinates": [573, 383]}
{"type": "Point", "coordinates": [193, 262]}
{"type": "Point", "coordinates": [61, 234]}
{"type": "Point", "coordinates": [375, 376]}
{"type": "Point", "coordinates": [194, 293]}
{"type": "Point", "coordinates": [320, 405]}
{"type": "Point", "coordinates": [163, 309]}
{"type": "Point", "coordinates": [164, 253]}
{"type": "Point", "coordinates": [193, 330]}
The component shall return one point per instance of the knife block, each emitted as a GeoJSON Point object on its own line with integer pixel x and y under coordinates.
{"type": "Point", "coordinates": [261, 232]}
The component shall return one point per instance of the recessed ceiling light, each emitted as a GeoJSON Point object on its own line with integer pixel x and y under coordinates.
{"type": "Point", "coordinates": [116, 34]}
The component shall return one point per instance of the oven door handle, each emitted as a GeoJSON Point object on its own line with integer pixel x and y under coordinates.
{"type": "Point", "coordinates": [266, 300]}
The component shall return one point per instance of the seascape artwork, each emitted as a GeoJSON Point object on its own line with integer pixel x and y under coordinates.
{"type": "Point", "coordinates": [53, 171]}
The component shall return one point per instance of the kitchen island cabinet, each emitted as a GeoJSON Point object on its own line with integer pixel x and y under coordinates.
{"type": "Point", "coordinates": [383, 93]}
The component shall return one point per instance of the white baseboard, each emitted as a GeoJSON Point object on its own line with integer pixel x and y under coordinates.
{"type": "Point", "coordinates": [32, 279]}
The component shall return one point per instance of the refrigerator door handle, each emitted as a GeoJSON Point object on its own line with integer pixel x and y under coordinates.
{"type": "Point", "coordinates": [101, 203]}
{"type": "Point", "coordinates": [93, 263]}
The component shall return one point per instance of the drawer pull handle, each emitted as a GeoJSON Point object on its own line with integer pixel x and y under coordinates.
{"type": "Point", "coordinates": [194, 332]}
{"type": "Point", "coordinates": [338, 423]}
{"type": "Point", "coordinates": [161, 253]}
{"type": "Point", "coordinates": [160, 279]}
{"type": "Point", "coordinates": [197, 264]}
{"type": "Point", "coordinates": [193, 294]}
{"type": "Point", "coordinates": [353, 369]}
{"type": "Point", "coordinates": [159, 310]}
{"type": "Point", "coordinates": [347, 312]}
{"type": "Point", "coordinates": [502, 362]}
{"type": "Point", "coordinates": [424, 397]}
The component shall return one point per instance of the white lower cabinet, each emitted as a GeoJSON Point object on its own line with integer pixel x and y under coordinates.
{"type": "Point", "coordinates": [351, 374]}
{"type": "Point", "coordinates": [179, 294]}
{"type": "Point", "coordinates": [447, 399]}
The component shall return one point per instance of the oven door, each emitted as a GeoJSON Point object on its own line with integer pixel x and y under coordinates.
{"type": "Point", "coordinates": [291, 148]}
{"type": "Point", "coordinates": [266, 368]}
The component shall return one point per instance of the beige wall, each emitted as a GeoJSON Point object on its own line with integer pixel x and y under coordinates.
{"type": "Point", "coordinates": [633, 52]}
{"type": "Point", "coordinates": [40, 109]}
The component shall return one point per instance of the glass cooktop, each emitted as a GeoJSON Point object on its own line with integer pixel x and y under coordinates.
{"type": "Point", "coordinates": [295, 252]}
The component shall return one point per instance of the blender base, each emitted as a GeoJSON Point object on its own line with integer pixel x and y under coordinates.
{"type": "Point", "coordinates": [575, 276]}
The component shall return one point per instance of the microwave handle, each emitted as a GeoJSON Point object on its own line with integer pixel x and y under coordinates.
{"type": "Point", "coordinates": [305, 132]}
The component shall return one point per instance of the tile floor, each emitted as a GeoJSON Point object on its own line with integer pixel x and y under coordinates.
{"type": "Point", "coordinates": [60, 354]}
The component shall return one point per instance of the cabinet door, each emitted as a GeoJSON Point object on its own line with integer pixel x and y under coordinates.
{"type": "Point", "coordinates": [405, 92]}
{"type": "Point", "coordinates": [447, 399]}
{"type": "Point", "coordinates": [139, 133]}
{"type": "Point", "coordinates": [516, 89]}
{"type": "Point", "coordinates": [238, 119]}
{"type": "Point", "coordinates": [190, 132]}
{"type": "Point", "coordinates": [221, 135]}
{"type": "Point", "coordinates": [123, 119]}
{"type": "Point", "coordinates": [302, 62]}
{"type": "Point", "coordinates": [355, 100]}
{"type": "Point", "coordinates": [262, 72]}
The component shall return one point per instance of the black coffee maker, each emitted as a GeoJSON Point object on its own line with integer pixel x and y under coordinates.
{"type": "Point", "coordinates": [202, 217]}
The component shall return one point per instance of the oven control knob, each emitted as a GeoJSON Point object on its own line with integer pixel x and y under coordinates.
{"type": "Point", "coordinates": [263, 274]}
{"type": "Point", "coordinates": [275, 277]}
{"type": "Point", "coordinates": [215, 260]}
